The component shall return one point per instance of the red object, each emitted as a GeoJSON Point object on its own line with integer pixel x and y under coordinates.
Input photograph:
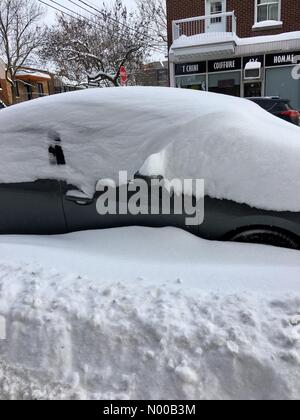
{"type": "Point", "coordinates": [123, 75]}
{"type": "Point", "coordinates": [292, 115]}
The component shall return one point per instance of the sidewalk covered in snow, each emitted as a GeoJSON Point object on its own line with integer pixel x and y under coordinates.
{"type": "Point", "coordinates": [110, 315]}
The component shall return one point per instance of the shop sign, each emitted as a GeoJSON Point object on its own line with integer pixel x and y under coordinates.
{"type": "Point", "coordinates": [281, 59]}
{"type": "Point", "coordinates": [225, 65]}
{"type": "Point", "coordinates": [190, 68]}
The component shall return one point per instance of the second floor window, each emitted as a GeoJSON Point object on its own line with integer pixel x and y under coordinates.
{"type": "Point", "coordinates": [268, 10]}
{"type": "Point", "coordinates": [216, 7]}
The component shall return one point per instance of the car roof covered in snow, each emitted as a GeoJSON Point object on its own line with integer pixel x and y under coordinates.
{"type": "Point", "coordinates": [242, 152]}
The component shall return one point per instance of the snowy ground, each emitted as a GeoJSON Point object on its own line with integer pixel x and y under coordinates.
{"type": "Point", "coordinates": [140, 313]}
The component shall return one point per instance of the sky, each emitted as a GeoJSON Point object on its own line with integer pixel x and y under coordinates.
{"type": "Point", "coordinates": [50, 13]}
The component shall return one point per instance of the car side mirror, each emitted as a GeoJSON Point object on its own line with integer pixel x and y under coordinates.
{"type": "Point", "coordinates": [57, 153]}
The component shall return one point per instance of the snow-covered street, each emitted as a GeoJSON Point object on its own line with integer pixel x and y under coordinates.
{"type": "Point", "coordinates": [139, 313]}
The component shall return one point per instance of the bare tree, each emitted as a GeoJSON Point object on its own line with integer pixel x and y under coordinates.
{"type": "Point", "coordinates": [92, 49]}
{"type": "Point", "coordinates": [155, 12]}
{"type": "Point", "coordinates": [20, 35]}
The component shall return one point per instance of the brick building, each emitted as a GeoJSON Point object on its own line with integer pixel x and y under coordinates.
{"type": "Point", "coordinates": [31, 84]}
{"type": "Point", "coordinates": [153, 74]}
{"type": "Point", "coordinates": [4, 91]}
{"type": "Point", "coordinates": [236, 47]}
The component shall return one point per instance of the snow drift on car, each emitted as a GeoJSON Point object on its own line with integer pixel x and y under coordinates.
{"type": "Point", "coordinates": [243, 153]}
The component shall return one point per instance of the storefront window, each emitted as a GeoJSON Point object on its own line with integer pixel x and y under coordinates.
{"type": "Point", "coordinates": [196, 82]}
{"type": "Point", "coordinates": [268, 10]}
{"type": "Point", "coordinates": [279, 82]}
{"type": "Point", "coordinates": [228, 83]}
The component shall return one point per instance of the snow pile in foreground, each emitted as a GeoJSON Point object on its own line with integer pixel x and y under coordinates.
{"type": "Point", "coordinates": [242, 152]}
{"type": "Point", "coordinates": [78, 336]}
{"type": "Point", "coordinates": [70, 337]}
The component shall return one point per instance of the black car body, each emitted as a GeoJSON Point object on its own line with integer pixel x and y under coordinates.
{"type": "Point", "coordinates": [281, 108]}
{"type": "Point", "coordinates": [46, 207]}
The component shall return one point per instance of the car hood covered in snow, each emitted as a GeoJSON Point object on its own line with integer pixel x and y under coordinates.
{"type": "Point", "coordinates": [242, 152]}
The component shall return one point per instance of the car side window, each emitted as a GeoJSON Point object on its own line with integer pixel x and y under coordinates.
{"type": "Point", "coordinates": [55, 149]}
{"type": "Point", "coordinates": [281, 106]}
{"type": "Point", "coordinates": [266, 104]}
{"type": "Point", "coordinates": [272, 106]}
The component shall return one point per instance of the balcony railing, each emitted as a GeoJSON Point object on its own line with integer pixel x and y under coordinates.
{"type": "Point", "coordinates": [220, 22]}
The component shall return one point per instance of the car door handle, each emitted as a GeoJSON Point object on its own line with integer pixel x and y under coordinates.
{"type": "Point", "coordinates": [81, 201]}
{"type": "Point", "coordinates": [58, 153]}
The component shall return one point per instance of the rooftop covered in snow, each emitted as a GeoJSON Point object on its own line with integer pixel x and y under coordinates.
{"type": "Point", "coordinates": [208, 44]}
{"type": "Point", "coordinates": [32, 73]}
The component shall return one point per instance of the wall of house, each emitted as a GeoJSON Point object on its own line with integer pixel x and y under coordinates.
{"type": "Point", "coordinates": [153, 74]}
{"type": "Point", "coordinates": [181, 9]}
{"type": "Point", "coordinates": [245, 12]}
{"type": "Point", "coordinates": [4, 92]}
{"type": "Point", "coordinates": [23, 95]}
{"type": "Point", "coordinates": [3, 84]}
{"type": "Point", "coordinates": [2, 69]}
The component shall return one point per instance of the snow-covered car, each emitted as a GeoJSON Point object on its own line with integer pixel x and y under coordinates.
{"type": "Point", "coordinates": [56, 150]}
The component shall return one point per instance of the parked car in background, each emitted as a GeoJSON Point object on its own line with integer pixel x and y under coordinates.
{"type": "Point", "coordinates": [2, 105]}
{"type": "Point", "coordinates": [279, 107]}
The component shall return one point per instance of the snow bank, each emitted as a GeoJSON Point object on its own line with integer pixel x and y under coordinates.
{"type": "Point", "coordinates": [73, 338]}
{"type": "Point", "coordinates": [33, 73]}
{"type": "Point", "coordinates": [90, 328]}
{"type": "Point", "coordinates": [242, 152]}
{"type": "Point", "coordinates": [160, 255]}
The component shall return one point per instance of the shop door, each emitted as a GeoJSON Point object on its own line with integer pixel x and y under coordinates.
{"type": "Point", "coordinates": [252, 90]}
{"type": "Point", "coordinates": [215, 24]}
